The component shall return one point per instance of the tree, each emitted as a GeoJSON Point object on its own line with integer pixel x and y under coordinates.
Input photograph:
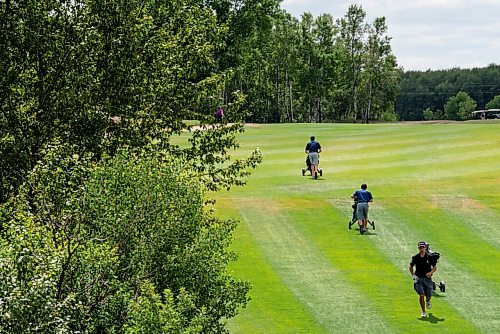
{"type": "Point", "coordinates": [107, 245]}
{"type": "Point", "coordinates": [96, 228]}
{"type": "Point", "coordinates": [102, 75]}
{"type": "Point", "coordinates": [494, 103]}
{"type": "Point", "coordinates": [459, 107]}
{"type": "Point", "coordinates": [428, 114]}
{"type": "Point", "coordinates": [352, 30]}
{"type": "Point", "coordinates": [380, 77]}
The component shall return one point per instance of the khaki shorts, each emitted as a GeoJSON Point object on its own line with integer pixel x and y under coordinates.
{"type": "Point", "coordinates": [314, 158]}
{"type": "Point", "coordinates": [362, 210]}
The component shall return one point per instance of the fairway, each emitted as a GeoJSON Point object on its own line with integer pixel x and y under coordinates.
{"type": "Point", "coordinates": [311, 274]}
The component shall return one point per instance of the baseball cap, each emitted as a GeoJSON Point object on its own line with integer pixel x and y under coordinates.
{"type": "Point", "coordinates": [422, 244]}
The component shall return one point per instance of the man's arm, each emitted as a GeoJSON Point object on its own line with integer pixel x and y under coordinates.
{"type": "Point", "coordinates": [412, 263]}
{"type": "Point", "coordinates": [429, 274]}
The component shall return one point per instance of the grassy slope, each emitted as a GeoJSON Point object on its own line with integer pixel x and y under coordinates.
{"type": "Point", "coordinates": [310, 274]}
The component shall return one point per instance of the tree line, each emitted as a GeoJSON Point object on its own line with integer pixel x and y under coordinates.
{"type": "Point", "coordinates": [424, 95]}
{"type": "Point", "coordinates": [317, 69]}
{"type": "Point", "coordinates": [343, 70]}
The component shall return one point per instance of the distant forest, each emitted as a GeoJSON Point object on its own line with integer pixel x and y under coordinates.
{"type": "Point", "coordinates": [432, 89]}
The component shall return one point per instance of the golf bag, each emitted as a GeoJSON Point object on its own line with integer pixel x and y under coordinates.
{"type": "Point", "coordinates": [434, 258]}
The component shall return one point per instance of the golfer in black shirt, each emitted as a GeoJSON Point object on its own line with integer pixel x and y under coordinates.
{"type": "Point", "coordinates": [425, 266]}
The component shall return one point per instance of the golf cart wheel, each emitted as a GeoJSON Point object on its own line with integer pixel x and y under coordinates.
{"type": "Point", "coordinates": [373, 224]}
{"type": "Point", "coordinates": [320, 172]}
{"type": "Point", "coordinates": [303, 172]}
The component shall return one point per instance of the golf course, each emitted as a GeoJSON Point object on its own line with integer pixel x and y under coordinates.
{"type": "Point", "coordinates": [431, 181]}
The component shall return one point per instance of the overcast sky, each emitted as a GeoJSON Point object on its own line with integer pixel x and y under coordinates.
{"type": "Point", "coordinates": [427, 34]}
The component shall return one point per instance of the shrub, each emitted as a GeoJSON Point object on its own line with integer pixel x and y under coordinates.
{"type": "Point", "coordinates": [96, 249]}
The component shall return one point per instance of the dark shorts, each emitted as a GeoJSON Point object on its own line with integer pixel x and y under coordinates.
{"type": "Point", "coordinates": [424, 286]}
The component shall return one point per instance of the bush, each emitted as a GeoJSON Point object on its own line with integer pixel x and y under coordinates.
{"type": "Point", "coordinates": [494, 103]}
{"type": "Point", "coordinates": [97, 248]}
{"type": "Point", "coordinates": [389, 116]}
{"type": "Point", "coordinates": [428, 114]}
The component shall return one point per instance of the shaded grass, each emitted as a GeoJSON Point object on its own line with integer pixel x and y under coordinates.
{"type": "Point", "coordinates": [433, 182]}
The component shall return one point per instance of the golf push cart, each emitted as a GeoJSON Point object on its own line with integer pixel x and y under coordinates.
{"type": "Point", "coordinates": [308, 164]}
{"type": "Point", "coordinates": [354, 219]}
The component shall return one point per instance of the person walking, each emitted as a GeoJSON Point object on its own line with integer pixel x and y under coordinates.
{"type": "Point", "coordinates": [313, 148]}
{"type": "Point", "coordinates": [425, 266]}
{"type": "Point", "coordinates": [219, 114]}
{"type": "Point", "coordinates": [362, 198]}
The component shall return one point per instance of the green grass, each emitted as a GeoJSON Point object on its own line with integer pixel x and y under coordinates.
{"type": "Point", "coordinates": [310, 274]}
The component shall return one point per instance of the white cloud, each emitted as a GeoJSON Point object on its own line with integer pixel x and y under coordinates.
{"type": "Point", "coordinates": [435, 34]}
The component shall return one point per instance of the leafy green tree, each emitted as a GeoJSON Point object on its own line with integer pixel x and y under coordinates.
{"type": "Point", "coordinates": [102, 75]}
{"type": "Point", "coordinates": [388, 116]}
{"type": "Point", "coordinates": [428, 114]}
{"type": "Point", "coordinates": [324, 33]}
{"type": "Point", "coordinates": [308, 73]}
{"type": "Point", "coordinates": [459, 107]}
{"type": "Point", "coordinates": [124, 246]}
{"type": "Point", "coordinates": [90, 238]}
{"type": "Point", "coordinates": [494, 103]}
{"type": "Point", "coordinates": [380, 77]}
{"type": "Point", "coordinates": [352, 30]}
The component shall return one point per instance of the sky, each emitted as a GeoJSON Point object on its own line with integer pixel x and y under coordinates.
{"type": "Point", "coordinates": [426, 34]}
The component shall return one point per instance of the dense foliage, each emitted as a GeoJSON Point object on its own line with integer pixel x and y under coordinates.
{"type": "Point", "coordinates": [318, 69]}
{"type": "Point", "coordinates": [104, 224]}
{"type": "Point", "coordinates": [126, 247]}
{"type": "Point", "coordinates": [104, 74]}
{"type": "Point", "coordinates": [95, 235]}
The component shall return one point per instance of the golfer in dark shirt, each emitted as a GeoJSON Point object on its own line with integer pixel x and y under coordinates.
{"type": "Point", "coordinates": [313, 148]}
{"type": "Point", "coordinates": [362, 198]}
{"type": "Point", "coordinates": [425, 266]}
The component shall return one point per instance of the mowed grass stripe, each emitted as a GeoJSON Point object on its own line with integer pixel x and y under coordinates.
{"type": "Point", "coordinates": [335, 303]}
{"type": "Point", "coordinates": [471, 215]}
{"type": "Point", "coordinates": [475, 299]}
{"type": "Point", "coordinates": [273, 308]}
